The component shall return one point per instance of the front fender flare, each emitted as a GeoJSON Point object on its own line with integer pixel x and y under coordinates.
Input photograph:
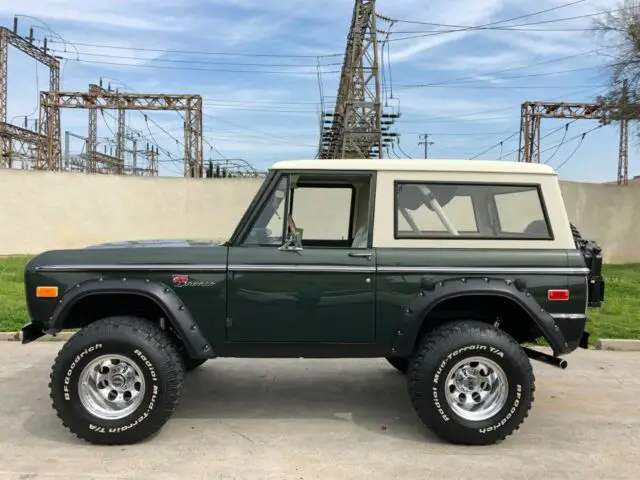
{"type": "Point", "coordinates": [164, 297]}
{"type": "Point", "coordinates": [433, 293]}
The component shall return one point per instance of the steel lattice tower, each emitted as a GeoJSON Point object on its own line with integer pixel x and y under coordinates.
{"type": "Point", "coordinates": [356, 128]}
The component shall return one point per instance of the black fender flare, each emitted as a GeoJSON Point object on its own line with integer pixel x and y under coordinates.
{"type": "Point", "coordinates": [164, 297]}
{"type": "Point", "coordinates": [432, 293]}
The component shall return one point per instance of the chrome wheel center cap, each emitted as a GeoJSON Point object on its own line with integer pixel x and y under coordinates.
{"type": "Point", "coordinates": [118, 381]}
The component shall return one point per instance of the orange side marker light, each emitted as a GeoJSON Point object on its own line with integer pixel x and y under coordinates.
{"type": "Point", "coordinates": [46, 292]}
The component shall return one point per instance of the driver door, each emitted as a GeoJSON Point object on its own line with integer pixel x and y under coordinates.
{"type": "Point", "coordinates": [313, 285]}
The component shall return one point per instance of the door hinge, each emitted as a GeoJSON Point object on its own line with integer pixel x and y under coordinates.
{"type": "Point", "coordinates": [228, 322]}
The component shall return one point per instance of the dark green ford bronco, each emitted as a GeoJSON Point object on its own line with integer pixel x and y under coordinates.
{"type": "Point", "coordinates": [446, 269]}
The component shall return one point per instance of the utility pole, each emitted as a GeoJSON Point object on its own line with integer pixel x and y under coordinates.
{"type": "Point", "coordinates": [120, 140]}
{"type": "Point", "coordinates": [425, 141]}
{"type": "Point", "coordinates": [623, 157]}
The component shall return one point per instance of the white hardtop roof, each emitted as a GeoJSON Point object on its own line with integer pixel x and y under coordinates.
{"type": "Point", "coordinates": [479, 166]}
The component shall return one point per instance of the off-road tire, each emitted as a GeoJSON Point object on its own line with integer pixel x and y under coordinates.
{"type": "Point", "coordinates": [399, 363]}
{"type": "Point", "coordinates": [437, 355]}
{"type": "Point", "coordinates": [157, 359]}
{"type": "Point", "coordinates": [575, 232]}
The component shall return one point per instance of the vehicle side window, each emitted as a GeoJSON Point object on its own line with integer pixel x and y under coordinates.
{"type": "Point", "coordinates": [520, 212]}
{"type": "Point", "coordinates": [268, 229]}
{"type": "Point", "coordinates": [439, 210]}
{"type": "Point", "coordinates": [322, 215]}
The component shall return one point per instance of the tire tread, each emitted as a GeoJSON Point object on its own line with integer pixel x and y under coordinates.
{"type": "Point", "coordinates": [171, 364]}
{"type": "Point", "coordinates": [440, 336]}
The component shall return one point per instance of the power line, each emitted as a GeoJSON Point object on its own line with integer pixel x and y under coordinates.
{"type": "Point", "coordinates": [582, 135]}
{"type": "Point", "coordinates": [203, 62]}
{"type": "Point", "coordinates": [496, 145]}
{"type": "Point", "coordinates": [544, 136]}
{"type": "Point", "coordinates": [474, 78]}
{"type": "Point", "coordinates": [191, 52]}
{"type": "Point", "coordinates": [250, 130]}
{"type": "Point", "coordinates": [260, 109]}
{"type": "Point", "coordinates": [453, 134]}
{"type": "Point", "coordinates": [457, 118]}
{"type": "Point", "coordinates": [254, 102]}
{"type": "Point", "coordinates": [564, 136]}
{"type": "Point", "coordinates": [512, 87]}
{"type": "Point", "coordinates": [490, 25]}
{"type": "Point", "coordinates": [520, 17]}
{"type": "Point", "coordinates": [543, 74]}
{"type": "Point", "coordinates": [400, 148]}
{"type": "Point", "coordinates": [572, 153]}
{"type": "Point", "coordinates": [503, 29]}
{"type": "Point", "coordinates": [167, 67]}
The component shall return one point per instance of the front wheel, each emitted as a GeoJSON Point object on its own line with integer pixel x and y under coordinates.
{"type": "Point", "coordinates": [471, 383]}
{"type": "Point", "coordinates": [117, 381]}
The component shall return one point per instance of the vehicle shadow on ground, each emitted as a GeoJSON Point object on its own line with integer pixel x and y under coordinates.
{"type": "Point", "coordinates": [372, 396]}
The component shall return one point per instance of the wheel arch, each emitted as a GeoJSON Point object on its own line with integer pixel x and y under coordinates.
{"type": "Point", "coordinates": [95, 299]}
{"type": "Point", "coordinates": [479, 299]}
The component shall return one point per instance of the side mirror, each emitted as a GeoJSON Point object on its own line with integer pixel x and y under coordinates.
{"type": "Point", "coordinates": [292, 243]}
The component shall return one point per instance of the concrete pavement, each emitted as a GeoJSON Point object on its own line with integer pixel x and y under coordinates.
{"type": "Point", "coordinates": [327, 419]}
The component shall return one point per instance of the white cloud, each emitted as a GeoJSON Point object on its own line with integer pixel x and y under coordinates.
{"type": "Point", "coordinates": [243, 116]}
{"type": "Point", "coordinates": [473, 12]}
{"type": "Point", "coordinates": [481, 62]}
{"type": "Point", "coordinates": [111, 13]}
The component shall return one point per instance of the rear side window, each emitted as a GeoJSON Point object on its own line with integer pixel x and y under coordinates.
{"type": "Point", "coordinates": [465, 211]}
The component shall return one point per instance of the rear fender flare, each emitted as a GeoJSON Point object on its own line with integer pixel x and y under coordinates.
{"type": "Point", "coordinates": [164, 297]}
{"type": "Point", "coordinates": [433, 293]}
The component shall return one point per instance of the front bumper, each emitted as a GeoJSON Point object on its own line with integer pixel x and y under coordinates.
{"type": "Point", "coordinates": [32, 331]}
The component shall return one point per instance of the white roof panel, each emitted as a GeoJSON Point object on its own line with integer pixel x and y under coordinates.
{"type": "Point", "coordinates": [479, 166]}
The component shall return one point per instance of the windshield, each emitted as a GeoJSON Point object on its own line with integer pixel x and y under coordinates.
{"type": "Point", "coordinates": [268, 228]}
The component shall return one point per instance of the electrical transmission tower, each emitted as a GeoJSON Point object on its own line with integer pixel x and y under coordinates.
{"type": "Point", "coordinates": [356, 128]}
{"type": "Point", "coordinates": [533, 112]}
{"type": "Point", "coordinates": [15, 140]}
{"type": "Point", "coordinates": [100, 99]}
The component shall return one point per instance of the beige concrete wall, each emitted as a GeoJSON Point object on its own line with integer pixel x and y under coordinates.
{"type": "Point", "coordinates": [608, 213]}
{"type": "Point", "coordinates": [44, 210]}
{"type": "Point", "coordinates": [47, 210]}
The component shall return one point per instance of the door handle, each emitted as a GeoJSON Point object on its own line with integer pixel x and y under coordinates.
{"type": "Point", "coordinates": [360, 254]}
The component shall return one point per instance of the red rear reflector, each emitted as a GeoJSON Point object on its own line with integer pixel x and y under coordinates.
{"type": "Point", "coordinates": [558, 294]}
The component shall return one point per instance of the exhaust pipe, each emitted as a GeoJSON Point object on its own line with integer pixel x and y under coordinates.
{"type": "Point", "coordinates": [548, 359]}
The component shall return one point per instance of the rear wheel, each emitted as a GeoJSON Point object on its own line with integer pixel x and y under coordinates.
{"type": "Point", "coordinates": [471, 383]}
{"type": "Point", "coordinates": [117, 381]}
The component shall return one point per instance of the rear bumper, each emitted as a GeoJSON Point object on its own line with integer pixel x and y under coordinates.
{"type": "Point", "coordinates": [572, 327]}
{"type": "Point", "coordinates": [596, 291]}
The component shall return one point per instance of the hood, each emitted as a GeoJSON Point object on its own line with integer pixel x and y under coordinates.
{"type": "Point", "coordinates": [158, 243]}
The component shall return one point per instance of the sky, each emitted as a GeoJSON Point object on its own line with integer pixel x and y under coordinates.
{"type": "Point", "coordinates": [256, 65]}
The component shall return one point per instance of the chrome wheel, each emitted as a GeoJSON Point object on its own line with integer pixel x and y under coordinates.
{"type": "Point", "coordinates": [111, 387]}
{"type": "Point", "coordinates": [477, 388]}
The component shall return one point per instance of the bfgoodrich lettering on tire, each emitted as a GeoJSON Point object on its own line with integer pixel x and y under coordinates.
{"type": "Point", "coordinates": [471, 383]}
{"type": "Point", "coordinates": [117, 381]}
